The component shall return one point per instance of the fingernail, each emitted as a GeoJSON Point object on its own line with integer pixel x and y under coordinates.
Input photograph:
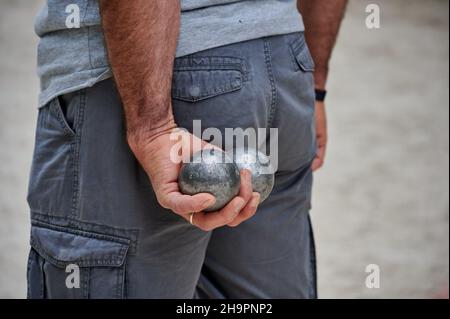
{"type": "Point", "coordinates": [209, 202]}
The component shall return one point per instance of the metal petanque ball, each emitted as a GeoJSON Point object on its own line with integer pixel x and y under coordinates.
{"type": "Point", "coordinates": [208, 172]}
{"type": "Point", "coordinates": [259, 165]}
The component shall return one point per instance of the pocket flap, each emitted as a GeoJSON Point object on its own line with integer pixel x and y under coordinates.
{"type": "Point", "coordinates": [302, 55]}
{"type": "Point", "coordinates": [199, 78]}
{"type": "Point", "coordinates": [63, 247]}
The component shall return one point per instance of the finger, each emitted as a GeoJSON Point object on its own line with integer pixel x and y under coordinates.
{"type": "Point", "coordinates": [319, 160]}
{"type": "Point", "coordinates": [316, 164]}
{"type": "Point", "coordinates": [210, 221]}
{"type": "Point", "coordinates": [320, 154]}
{"type": "Point", "coordinates": [185, 204]}
{"type": "Point", "coordinates": [246, 188]}
{"type": "Point", "coordinates": [248, 211]}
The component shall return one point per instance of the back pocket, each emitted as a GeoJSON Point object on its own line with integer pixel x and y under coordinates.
{"type": "Point", "coordinates": [68, 263]}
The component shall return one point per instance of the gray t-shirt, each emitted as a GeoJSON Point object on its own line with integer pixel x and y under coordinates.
{"type": "Point", "coordinates": [72, 53]}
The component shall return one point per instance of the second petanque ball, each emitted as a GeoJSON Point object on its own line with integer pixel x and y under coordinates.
{"type": "Point", "coordinates": [259, 164]}
{"type": "Point", "coordinates": [210, 172]}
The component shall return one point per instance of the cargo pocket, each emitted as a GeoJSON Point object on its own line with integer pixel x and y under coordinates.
{"type": "Point", "coordinates": [68, 263]}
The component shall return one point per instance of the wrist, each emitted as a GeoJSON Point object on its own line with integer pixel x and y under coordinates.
{"type": "Point", "coordinates": [320, 77]}
{"type": "Point", "coordinates": [143, 137]}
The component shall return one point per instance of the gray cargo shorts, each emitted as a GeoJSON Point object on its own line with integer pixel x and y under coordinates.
{"type": "Point", "coordinates": [97, 228]}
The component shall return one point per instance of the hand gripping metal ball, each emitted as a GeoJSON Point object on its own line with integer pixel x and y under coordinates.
{"type": "Point", "coordinates": [210, 171]}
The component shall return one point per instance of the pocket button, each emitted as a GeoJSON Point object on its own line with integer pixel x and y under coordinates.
{"type": "Point", "coordinates": [194, 91]}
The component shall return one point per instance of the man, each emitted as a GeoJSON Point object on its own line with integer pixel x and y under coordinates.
{"type": "Point", "coordinates": [108, 220]}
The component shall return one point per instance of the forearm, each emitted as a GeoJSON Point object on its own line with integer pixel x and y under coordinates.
{"type": "Point", "coordinates": [141, 38]}
{"type": "Point", "coordinates": [322, 19]}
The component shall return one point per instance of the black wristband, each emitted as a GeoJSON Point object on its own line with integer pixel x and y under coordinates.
{"type": "Point", "coordinates": [320, 95]}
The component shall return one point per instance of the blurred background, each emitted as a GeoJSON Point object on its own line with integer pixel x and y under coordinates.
{"type": "Point", "coordinates": [383, 196]}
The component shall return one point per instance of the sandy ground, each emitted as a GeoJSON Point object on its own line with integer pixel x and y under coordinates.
{"type": "Point", "coordinates": [382, 197]}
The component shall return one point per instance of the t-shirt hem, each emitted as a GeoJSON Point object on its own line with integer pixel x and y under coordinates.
{"type": "Point", "coordinates": [83, 79]}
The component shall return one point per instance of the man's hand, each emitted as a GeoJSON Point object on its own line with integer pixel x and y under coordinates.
{"type": "Point", "coordinates": [163, 171]}
{"type": "Point", "coordinates": [321, 135]}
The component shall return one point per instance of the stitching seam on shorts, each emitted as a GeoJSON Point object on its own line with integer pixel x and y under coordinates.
{"type": "Point", "coordinates": [274, 98]}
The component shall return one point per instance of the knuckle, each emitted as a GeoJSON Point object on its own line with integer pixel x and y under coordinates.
{"type": "Point", "coordinates": [229, 219]}
{"type": "Point", "coordinates": [163, 203]}
{"type": "Point", "coordinates": [205, 227]}
{"type": "Point", "coordinates": [178, 208]}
